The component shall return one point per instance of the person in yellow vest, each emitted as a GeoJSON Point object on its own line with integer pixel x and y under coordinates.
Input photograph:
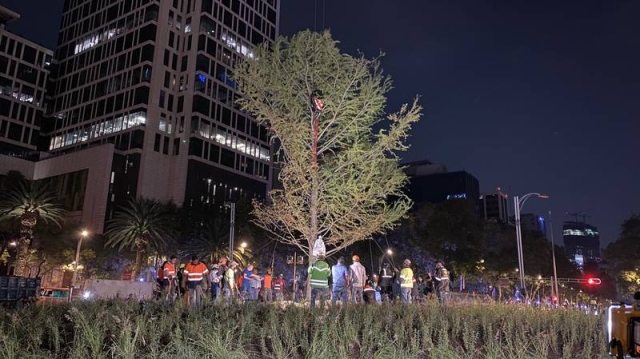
{"type": "Point", "coordinates": [406, 281]}
{"type": "Point", "coordinates": [195, 276]}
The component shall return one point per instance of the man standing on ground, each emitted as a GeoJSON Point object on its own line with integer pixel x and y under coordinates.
{"type": "Point", "coordinates": [406, 281]}
{"type": "Point", "coordinates": [195, 276]}
{"type": "Point", "coordinates": [386, 282]}
{"type": "Point", "coordinates": [340, 275]}
{"type": "Point", "coordinates": [319, 274]}
{"type": "Point", "coordinates": [247, 278]}
{"type": "Point", "coordinates": [222, 269]}
{"type": "Point", "coordinates": [169, 278]}
{"type": "Point", "coordinates": [442, 276]}
{"type": "Point", "coordinates": [266, 289]}
{"type": "Point", "coordinates": [358, 279]}
{"type": "Point", "coordinates": [214, 280]}
{"type": "Point", "coordinates": [278, 287]}
{"type": "Point", "coordinates": [230, 289]}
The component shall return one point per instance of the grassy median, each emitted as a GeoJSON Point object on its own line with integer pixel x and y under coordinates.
{"type": "Point", "coordinates": [119, 329]}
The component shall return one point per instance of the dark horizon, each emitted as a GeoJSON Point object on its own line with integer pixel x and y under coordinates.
{"type": "Point", "coordinates": [529, 97]}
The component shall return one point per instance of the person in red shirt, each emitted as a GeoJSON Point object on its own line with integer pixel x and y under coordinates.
{"type": "Point", "coordinates": [195, 276]}
{"type": "Point", "coordinates": [278, 287]}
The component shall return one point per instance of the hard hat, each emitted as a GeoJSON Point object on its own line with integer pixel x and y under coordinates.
{"type": "Point", "coordinates": [406, 262]}
{"type": "Point", "coordinates": [355, 258]}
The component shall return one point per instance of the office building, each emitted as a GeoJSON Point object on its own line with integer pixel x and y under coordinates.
{"type": "Point", "coordinates": [144, 105]}
{"type": "Point", "coordinates": [24, 73]}
{"type": "Point", "coordinates": [429, 182]}
{"type": "Point", "coordinates": [494, 207]}
{"type": "Point", "coordinates": [581, 242]}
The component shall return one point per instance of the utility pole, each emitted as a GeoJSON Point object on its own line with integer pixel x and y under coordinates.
{"type": "Point", "coordinates": [232, 227]}
{"type": "Point", "coordinates": [553, 253]}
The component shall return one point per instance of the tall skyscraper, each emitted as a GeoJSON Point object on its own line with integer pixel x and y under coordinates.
{"type": "Point", "coordinates": [143, 89]}
{"type": "Point", "coordinates": [24, 72]}
{"type": "Point", "coordinates": [581, 242]}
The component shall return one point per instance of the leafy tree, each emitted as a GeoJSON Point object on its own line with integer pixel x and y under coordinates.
{"type": "Point", "coordinates": [339, 179]}
{"type": "Point", "coordinates": [29, 203]}
{"type": "Point", "coordinates": [142, 225]}
{"type": "Point", "coordinates": [451, 231]}
{"type": "Point", "coordinates": [623, 256]}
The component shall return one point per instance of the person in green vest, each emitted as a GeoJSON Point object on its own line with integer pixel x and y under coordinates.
{"type": "Point", "coordinates": [319, 273]}
{"type": "Point", "coordinates": [406, 281]}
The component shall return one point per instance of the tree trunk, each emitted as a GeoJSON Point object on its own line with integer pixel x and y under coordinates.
{"type": "Point", "coordinates": [28, 222]}
{"type": "Point", "coordinates": [22, 255]}
{"type": "Point", "coordinates": [313, 200]}
{"type": "Point", "coordinates": [139, 256]}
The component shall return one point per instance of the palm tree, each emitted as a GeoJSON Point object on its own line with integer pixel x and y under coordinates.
{"type": "Point", "coordinates": [140, 225]}
{"type": "Point", "coordinates": [212, 241]}
{"type": "Point", "coordinates": [29, 202]}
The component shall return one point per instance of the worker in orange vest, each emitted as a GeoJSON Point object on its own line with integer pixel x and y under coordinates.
{"type": "Point", "coordinates": [196, 279]}
{"type": "Point", "coordinates": [168, 272]}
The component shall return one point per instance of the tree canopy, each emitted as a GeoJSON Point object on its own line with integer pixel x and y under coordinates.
{"type": "Point", "coordinates": [339, 178]}
{"type": "Point", "coordinates": [623, 256]}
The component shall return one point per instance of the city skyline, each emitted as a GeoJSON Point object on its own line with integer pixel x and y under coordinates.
{"type": "Point", "coordinates": [529, 97]}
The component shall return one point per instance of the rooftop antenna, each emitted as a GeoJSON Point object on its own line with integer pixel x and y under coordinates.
{"type": "Point", "coordinates": [578, 214]}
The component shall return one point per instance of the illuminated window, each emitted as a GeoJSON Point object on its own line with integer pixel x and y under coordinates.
{"type": "Point", "coordinates": [100, 129]}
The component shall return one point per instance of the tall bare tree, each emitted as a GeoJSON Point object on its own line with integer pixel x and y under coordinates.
{"type": "Point", "coordinates": [340, 178]}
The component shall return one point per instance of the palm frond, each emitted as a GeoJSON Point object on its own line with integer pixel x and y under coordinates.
{"type": "Point", "coordinates": [143, 220]}
{"type": "Point", "coordinates": [31, 198]}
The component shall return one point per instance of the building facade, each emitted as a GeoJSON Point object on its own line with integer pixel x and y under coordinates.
{"type": "Point", "coordinates": [24, 75]}
{"type": "Point", "coordinates": [144, 85]}
{"type": "Point", "coordinates": [432, 183]}
{"type": "Point", "coordinates": [581, 242]}
{"type": "Point", "coordinates": [531, 222]}
{"type": "Point", "coordinates": [494, 207]}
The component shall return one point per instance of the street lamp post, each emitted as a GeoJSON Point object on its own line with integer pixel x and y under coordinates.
{"type": "Point", "coordinates": [232, 227]}
{"type": "Point", "coordinates": [83, 235]}
{"type": "Point", "coordinates": [518, 203]}
{"type": "Point", "coordinates": [553, 254]}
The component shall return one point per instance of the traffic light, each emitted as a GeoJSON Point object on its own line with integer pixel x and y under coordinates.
{"type": "Point", "coordinates": [595, 281]}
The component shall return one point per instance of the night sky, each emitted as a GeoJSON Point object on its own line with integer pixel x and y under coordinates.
{"type": "Point", "coordinates": [530, 96]}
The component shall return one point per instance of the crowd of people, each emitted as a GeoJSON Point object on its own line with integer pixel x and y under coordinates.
{"type": "Point", "coordinates": [225, 282]}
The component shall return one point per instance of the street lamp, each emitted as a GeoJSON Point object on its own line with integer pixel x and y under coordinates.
{"type": "Point", "coordinates": [83, 235]}
{"type": "Point", "coordinates": [518, 203]}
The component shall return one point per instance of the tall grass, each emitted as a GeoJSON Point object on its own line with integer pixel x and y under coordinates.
{"type": "Point", "coordinates": [127, 330]}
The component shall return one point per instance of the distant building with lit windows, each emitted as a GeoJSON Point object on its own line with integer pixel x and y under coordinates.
{"type": "Point", "coordinates": [581, 242]}
{"type": "Point", "coordinates": [429, 182]}
{"type": "Point", "coordinates": [143, 102]}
